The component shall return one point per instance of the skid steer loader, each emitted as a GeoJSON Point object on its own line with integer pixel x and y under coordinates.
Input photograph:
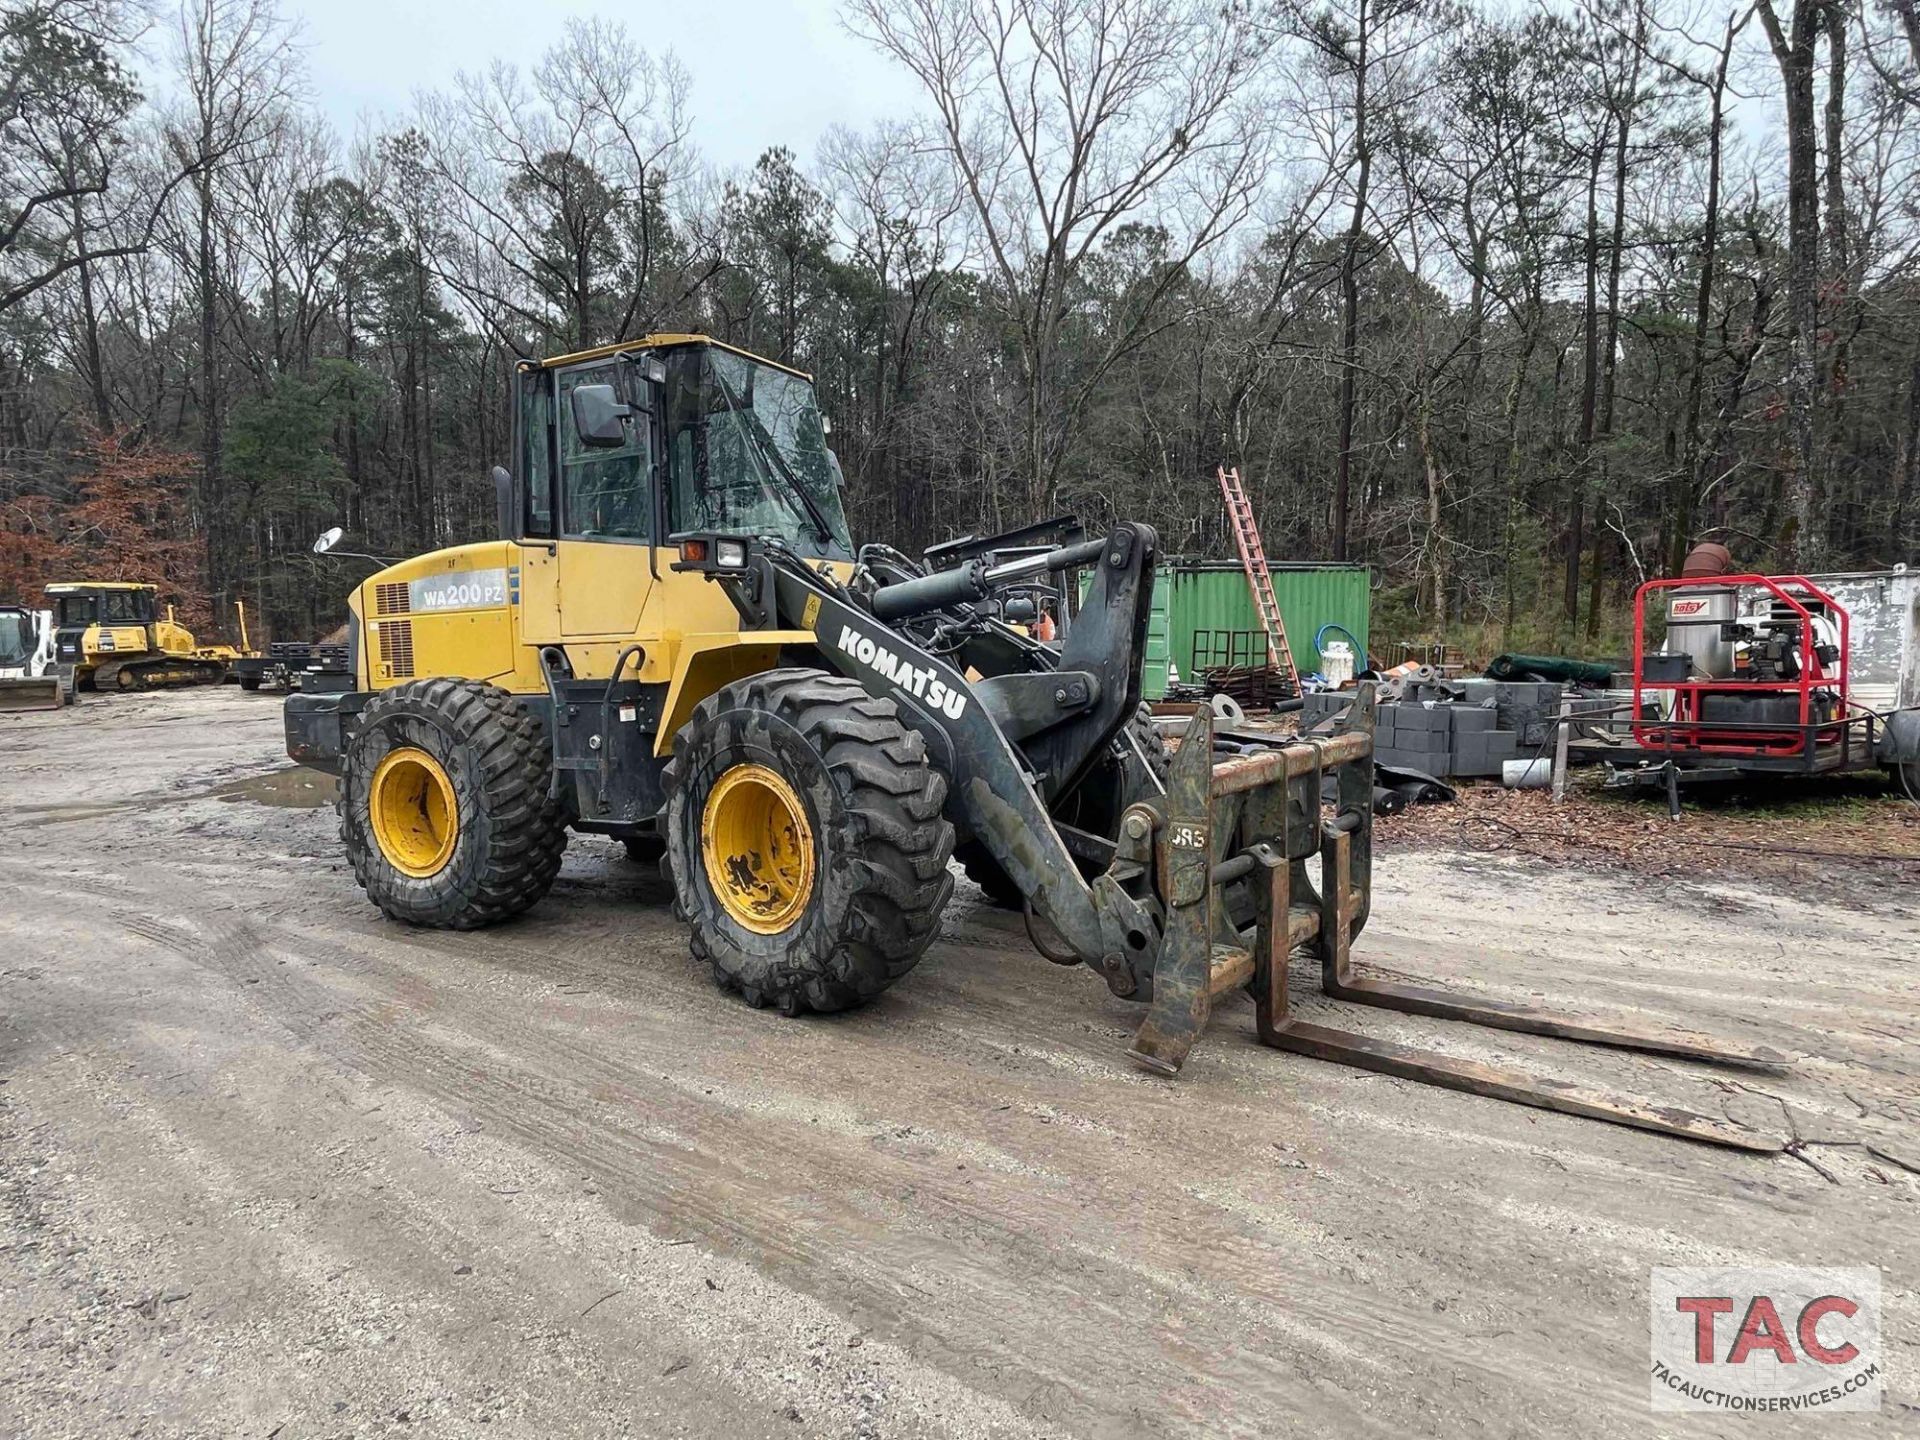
{"type": "Point", "coordinates": [675, 643]}
{"type": "Point", "coordinates": [27, 678]}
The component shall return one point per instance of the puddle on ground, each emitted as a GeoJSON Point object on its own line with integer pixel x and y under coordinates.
{"type": "Point", "coordinates": [294, 788]}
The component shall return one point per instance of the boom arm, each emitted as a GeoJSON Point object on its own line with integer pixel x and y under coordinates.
{"type": "Point", "coordinates": [1009, 743]}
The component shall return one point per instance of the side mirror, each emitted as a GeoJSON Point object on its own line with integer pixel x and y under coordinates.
{"type": "Point", "coordinates": [505, 518]}
{"type": "Point", "coordinates": [328, 540]}
{"type": "Point", "coordinates": [599, 418]}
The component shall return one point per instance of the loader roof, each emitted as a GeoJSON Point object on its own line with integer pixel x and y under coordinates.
{"type": "Point", "coordinates": [656, 342]}
{"type": "Point", "coordinates": [73, 587]}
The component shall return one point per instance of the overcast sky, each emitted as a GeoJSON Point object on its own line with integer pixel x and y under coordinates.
{"type": "Point", "coordinates": [765, 72]}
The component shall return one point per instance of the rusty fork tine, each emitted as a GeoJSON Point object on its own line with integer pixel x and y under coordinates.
{"type": "Point", "coordinates": [1339, 979]}
{"type": "Point", "coordinates": [1387, 1058]}
{"type": "Point", "coordinates": [1329, 926]}
{"type": "Point", "coordinates": [1499, 1015]}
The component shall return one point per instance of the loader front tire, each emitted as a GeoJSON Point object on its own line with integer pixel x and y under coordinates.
{"type": "Point", "coordinates": [443, 805]}
{"type": "Point", "coordinates": [805, 840]}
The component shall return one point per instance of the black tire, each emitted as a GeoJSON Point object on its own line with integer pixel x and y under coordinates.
{"type": "Point", "coordinates": [508, 836]}
{"type": "Point", "coordinates": [873, 806]}
{"type": "Point", "coordinates": [249, 682]}
{"type": "Point", "coordinates": [1096, 806]}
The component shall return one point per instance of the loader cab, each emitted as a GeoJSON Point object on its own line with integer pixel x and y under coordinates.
{"type": "Point", "coordinates": [634, 444]}
{"type": "Point", "coordinates": [617, 450]}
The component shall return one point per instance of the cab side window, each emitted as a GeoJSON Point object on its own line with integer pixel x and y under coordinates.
{"type": "Point", "coordinates": [536, 450]}
{"type": "Point", "coordinates": [120, 607]}
{"type": "Point", "coordinates": [605, 493]}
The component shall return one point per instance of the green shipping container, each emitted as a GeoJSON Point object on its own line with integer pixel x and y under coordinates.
{"type": "Point", "coordinates": [1197, 596]}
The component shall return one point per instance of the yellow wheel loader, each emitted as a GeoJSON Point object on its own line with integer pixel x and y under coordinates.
{"type": "Point", "coordinates": [110, 635]}
{"type": "Point", "coordinates": [675, 643]}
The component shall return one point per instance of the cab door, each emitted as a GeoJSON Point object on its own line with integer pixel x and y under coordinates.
{"type": "Point", "coordinates": [606, 508]}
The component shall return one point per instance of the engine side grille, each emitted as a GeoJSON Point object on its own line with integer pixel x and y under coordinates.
{"type": "Point", "coordinates": [392, 598]}
{"type": "Point", "coordinates": [396, 647]}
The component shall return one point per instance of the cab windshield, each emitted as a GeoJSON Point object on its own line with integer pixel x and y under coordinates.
{"type": "Point", "coordinates": [748, 453]}
{"type": "Point", "coordinates": [77, 610]}
{"type": "Point", "coordinates": [16, 639]}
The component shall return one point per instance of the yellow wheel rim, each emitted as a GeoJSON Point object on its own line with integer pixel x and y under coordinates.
{"type": "Point", "coordinates": [758, 848]}
{"type": "Point", "coordinates": [415, 819]}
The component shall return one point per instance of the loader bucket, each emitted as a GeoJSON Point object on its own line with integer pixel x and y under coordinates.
{"type": "Point", "coordinates": [39, 693]}
{"type": "Point", "coordinates": [1234, 856]}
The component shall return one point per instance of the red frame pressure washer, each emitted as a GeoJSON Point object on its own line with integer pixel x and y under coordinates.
{"type": "Point", "coordinates": [1687, 728]}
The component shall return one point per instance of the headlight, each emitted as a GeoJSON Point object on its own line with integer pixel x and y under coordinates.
{"type": "Point", "coordinates": [730, 554]}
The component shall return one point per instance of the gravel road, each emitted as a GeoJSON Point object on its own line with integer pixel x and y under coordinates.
{"type": "Point", "coordinates": [271, 1165]}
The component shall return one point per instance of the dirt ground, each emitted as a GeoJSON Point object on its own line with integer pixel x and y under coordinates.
{"type": "Point", "coordinates": [271, 1165]}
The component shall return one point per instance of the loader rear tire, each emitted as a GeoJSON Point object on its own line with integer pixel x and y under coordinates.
{"type": "Point", "coordinates": [1115, 784]}
{"type": "Point", "coordinates": [443, 805]}
{"type": "Point", "coordinates": [805, 840]}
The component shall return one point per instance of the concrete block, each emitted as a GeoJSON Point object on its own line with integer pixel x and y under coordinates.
{"type": "Point", "coordinates": [1471, 720]}
{"type": "Point", "coordinates": [1431, 763]}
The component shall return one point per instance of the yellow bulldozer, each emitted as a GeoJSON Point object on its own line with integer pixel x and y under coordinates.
{"type": "Point", "coordinates": [674, 642]}
{"type": "Point", "coordinates": [110, 635]}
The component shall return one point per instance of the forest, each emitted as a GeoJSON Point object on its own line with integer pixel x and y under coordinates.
{"type": "Point", "coordinates": [1511, 303]}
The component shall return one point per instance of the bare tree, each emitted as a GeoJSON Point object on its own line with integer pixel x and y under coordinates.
{"type": "Point", "coordinates": [1370, 53]}
{"type": "Point", "coordinates": [899, 212]}
{"type": "Point", "coordinates": [1064, 120]}
{"type": "Point", "coordinates": [66, 96]}
{"type": "Point", "coordinates": [1711, 81]}
{"type": "Point", "coordinates": [237, 65]}
{"type": "Point", "coordinates": [1794, 46]}
{"type": "Point", "coordinates": [552, 183]}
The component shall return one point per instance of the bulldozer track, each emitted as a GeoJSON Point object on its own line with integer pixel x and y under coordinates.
{"type": "Point", "coordinates": [157, 674]}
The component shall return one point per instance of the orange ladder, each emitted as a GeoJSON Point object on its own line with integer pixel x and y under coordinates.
{"type": "Point", "coordinates": [1253, 558]}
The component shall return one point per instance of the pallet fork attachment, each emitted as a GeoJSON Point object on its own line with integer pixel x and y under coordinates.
{"type": "Point", "coordinates": [1230, 856]}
